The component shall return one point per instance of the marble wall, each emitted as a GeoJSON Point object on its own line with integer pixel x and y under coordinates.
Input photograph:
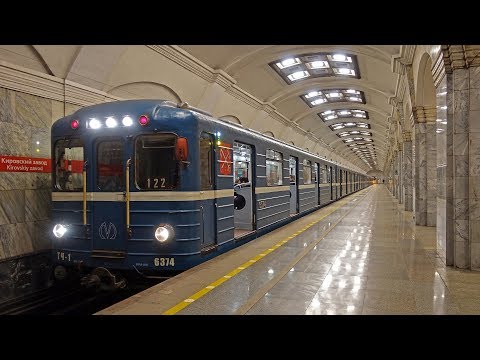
{"type": "Point", "coordinates": [24, 274]}
{"type": "Point", "coordinates": [441, 130]}
{"type": "Point", "coordinates": [25, 207]}
{"type": "Point", "coordinates": [24, 197]}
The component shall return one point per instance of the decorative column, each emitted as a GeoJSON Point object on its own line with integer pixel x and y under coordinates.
{"type": "Point", "coordinates": [400, 174]}
{"type": "Point", "coordinates": [394, 174]}
{"type": "Point", "coordinates": [425, 166]}
{"type": "Point", "coordinates": [462, 66]}
{"type": "Point", "coordinates": [449, 171]}
{"type": "Point", "coordinates": [407, 170]}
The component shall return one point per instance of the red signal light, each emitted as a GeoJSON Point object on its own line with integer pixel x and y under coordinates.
{"type": "Point", "coordinates": [143, 120]}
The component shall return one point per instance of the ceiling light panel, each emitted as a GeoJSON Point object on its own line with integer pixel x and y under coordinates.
{"type": "Point", "coordinates": [299, 67]}
{"type": "Point", "coordinates": [354, 132]}
{"type": "Point", "coordinates": [352, 114]}
{"type": "Point", "coordinates": [356, 138]}
{"type": "Point", "coordinates": [335, 96]}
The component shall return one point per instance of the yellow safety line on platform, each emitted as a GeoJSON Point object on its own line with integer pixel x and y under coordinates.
{"type": "Point", "coordinates": [183, 304]}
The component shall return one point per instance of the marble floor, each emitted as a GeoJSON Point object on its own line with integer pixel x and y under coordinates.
{"type": "Point", "coordinates": [380, 263]}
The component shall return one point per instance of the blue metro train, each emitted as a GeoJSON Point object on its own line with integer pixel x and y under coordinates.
{"type": "Point", "coordinates": [153, 187]}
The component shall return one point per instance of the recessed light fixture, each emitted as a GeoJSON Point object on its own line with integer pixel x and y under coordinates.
{"type": "Point", "coordinates": [297, 67]}
{"type": "Point", "coordinates": [298, 75]}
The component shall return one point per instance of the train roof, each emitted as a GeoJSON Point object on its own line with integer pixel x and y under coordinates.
{"type": "Point", "coordinates": [149, 105]}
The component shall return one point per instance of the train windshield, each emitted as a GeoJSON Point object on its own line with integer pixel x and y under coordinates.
{"type": "Point", "coordinates": [155, 165]}
{"type": "Point", "coordinates": [110, 176]}
{"type": "Point", "coordinates": [68, 165]}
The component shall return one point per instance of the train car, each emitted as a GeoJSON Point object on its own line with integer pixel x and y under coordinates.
{"type": "Point", "coordinates": [153, 187]}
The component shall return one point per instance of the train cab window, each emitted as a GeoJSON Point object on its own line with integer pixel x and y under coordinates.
{"type": "Point", "coordinates": [274, 161]}
{"type": "Point", "coordinates": [307, 171]}
{"type": "Point", "coordinates": [68, 163]}
{"type": "Point", "coordinates": [110, 175]}
{"type": "Point", "coordinates": [155, 165]}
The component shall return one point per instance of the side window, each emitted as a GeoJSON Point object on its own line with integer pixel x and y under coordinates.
{"type": "Point", "coordinates": [68, 165]}
{"type": "Point", "coordinates": [110, 175]}
{"type": "Point", "coordinates": [307, 171]}
{"type": "Point", "coordinates": [324, 178]}
{"type": "Point", "coordinates": [274, 161]}
{"type": "Point", "coordinates": [206, 154]}
{"type": "Point", "coordinates": [314, 173]}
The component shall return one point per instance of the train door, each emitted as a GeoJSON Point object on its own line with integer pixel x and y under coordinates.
{"type": "Point", "coordinates": [208, 207]}
{"type": "Point", "coordinates": [293, 171]}
{"type": "Point", "coordinates": [341, 181]}
{"type": "Point", "coordinates": [243, 189]}
{"type": "Point", "coordinates": [330, 181]}
{"type": "Point", "coordinates": [108, 205]}
{"type": "Point", "coordinates": [345, 175]}
{"type": "Point", "coordinates": [316, 182]}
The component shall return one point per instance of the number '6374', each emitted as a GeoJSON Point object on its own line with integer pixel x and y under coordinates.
{"type": "Point", "coordinates": [164, 261]}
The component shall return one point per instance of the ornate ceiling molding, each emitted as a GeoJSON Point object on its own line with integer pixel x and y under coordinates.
{"type": "Point", "coordinates": [31, 82]}
{"type": "Point", "coordinates": [460, 56]}
{"type": "Point", "coordinates": [424, 114]}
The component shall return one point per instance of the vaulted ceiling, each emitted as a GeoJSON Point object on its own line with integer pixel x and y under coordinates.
{"type": "Point", "coordinates": [311, 85]}
{"type": "Point", "coordinates": [337, 93]}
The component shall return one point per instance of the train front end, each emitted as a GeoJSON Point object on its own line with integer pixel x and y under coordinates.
{"type": "Point", "coordinates": [120, 171]}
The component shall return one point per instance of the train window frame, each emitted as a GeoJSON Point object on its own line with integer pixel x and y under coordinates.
{"type": "Point", "coordinates": [117, 181]}
{"type": "Point", "coordinates": [209, 173]}
{"type": "Point", "coordinates": [276, 159]}
{"type": "Point", "coordinates": [307, 169]}
{"type": "Point", "coordinates": [68, 174]}
{"type": "Point", "coordinates": [176, 174]}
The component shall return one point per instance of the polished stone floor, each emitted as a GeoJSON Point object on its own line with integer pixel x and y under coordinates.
{"type": "Point", "coordinates": [360, 255]}
{"type": "Point", "coordinates": [379, 263]}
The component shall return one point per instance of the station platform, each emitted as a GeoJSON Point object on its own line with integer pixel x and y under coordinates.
{"type": "Point", "coordinates": [360, 255]}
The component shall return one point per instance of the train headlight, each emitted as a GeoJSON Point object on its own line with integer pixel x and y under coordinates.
{"type": "Point", "coordinates": [164, 233]}
{"type": "Point", "coordinates": [127, 121]}
{"type": "Point", "coordinates": [111, 122]}
{"type": "Point", "coordinates": [59, 230]}
{"type": "Point", "coordinates": [94, 124]}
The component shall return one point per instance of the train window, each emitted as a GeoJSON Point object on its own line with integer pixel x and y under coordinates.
{"type": "Point", "coordinates": [68, 165]}
{"type": "Point", "coordinates": [292, 165]}
{"type": "Point", "coordinates": [206, 143]}
{"type": "Point", "coordinates": [307, 171]}
{"type": "Point", "coordinates": [242, 155]}
{"type": "Point", "coordinates": [155, 164]}
{"type": "Point", "coordinates": [329, 177]}
{"type": "Point", "coordinates": [314, 172]}
{"type": "Point", "coordinates": [274, 161]}
{"type": "Point", "coordinates": [110, 176]}
{"type": "Point", "coordinates": [324, 175]}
